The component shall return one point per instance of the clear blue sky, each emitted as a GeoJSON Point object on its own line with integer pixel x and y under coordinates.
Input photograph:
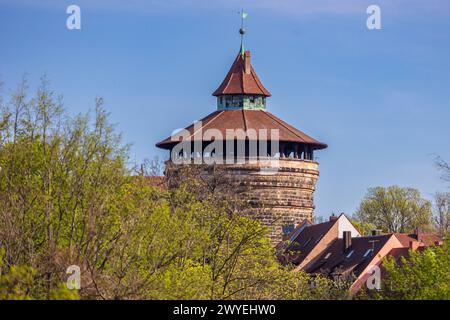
{"type": "Point", "coordinates": [380, 99]}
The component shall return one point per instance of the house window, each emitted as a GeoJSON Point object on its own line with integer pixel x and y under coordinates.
{"type": "Point", "coordinates": [327, 255]}
{"type": "Point", "coordinates": [350, 254]}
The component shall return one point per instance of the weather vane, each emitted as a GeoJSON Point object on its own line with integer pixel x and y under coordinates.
{"type": "Point", "coordinates": [243, 15]}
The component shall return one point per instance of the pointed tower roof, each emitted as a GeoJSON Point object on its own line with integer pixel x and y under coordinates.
{"type": "Point", "coordinates": [241, 79]}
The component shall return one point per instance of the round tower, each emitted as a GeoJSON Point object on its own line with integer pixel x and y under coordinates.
{"type": "Point", "coordinates": [271, 162]}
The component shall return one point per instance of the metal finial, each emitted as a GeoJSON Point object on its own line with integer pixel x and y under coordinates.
{"type": "Point", "coordinates": [242, 30]}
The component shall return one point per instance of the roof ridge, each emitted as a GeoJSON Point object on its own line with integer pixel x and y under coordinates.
{"type": "Point", "coordinates": [237, 81]}
{"type": "Point", "coordinates": [380, 236]}
{"type": "Point", "coordinates": [242, 73]}
{"type": "Point", "coordinates": [245, 120]}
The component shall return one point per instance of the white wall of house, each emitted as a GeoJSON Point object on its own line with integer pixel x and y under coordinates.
{"type": "Point", "coordinates": [346, 225]}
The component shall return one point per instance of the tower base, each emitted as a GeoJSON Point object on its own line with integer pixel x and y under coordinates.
{"type": "Point", "coordinates": [280, 191]}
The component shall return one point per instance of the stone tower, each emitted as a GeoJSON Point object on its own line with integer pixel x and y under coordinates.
{"type": "Point", "coordinates": [271, 162]}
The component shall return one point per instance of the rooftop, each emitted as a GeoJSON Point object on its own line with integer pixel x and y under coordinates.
{"type": "Point", "coordinates": [355, 259]}
{"type": "Point", "coordinates": [241, 79]}
{"type": "Point", "coordinates": [246, 120]}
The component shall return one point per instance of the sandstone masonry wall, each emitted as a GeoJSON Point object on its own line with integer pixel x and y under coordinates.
{"type": "Point", "coordinates": [280, 191]}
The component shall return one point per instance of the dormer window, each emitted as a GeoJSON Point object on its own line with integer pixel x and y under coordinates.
{"type": "Point", "coordinates": [369, 251]}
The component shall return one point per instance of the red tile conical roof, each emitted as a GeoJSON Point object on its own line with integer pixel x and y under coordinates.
{"type": "Point", "coordinates": [241, 79]}
{"type": "Point", "coordinates": [245, 120]}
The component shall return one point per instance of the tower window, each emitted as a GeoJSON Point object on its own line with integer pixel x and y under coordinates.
{"type": "Point", "coordinates": [227, 101]}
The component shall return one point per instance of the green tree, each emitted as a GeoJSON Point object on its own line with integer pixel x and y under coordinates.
{"type": "Point", "coordinates": [363, 227]}
{"type": "Point", "coordinates": [441, 213]}
{"type": "Point", "coordinates": [19, 283]}
{"type": "Point", "coordinates": [422, 275]}
{"type": "Point", "coordinates": [58, 181]}
{"type": "Point", "coordinates": [67, 197]}
{"type": "Point", "coordinates": [394, 209]}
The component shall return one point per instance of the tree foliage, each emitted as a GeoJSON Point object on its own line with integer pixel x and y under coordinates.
{"type": "Point", "coordinates": [421, 275]}
{"type": "Point", "coordinates": [68, 197]}
{"type": "Point", "coordinates": [19, 283]}
{"type": "Point", "coordinates": [441, 214]}
{"type": "Point", "coordinates": [395, 209]}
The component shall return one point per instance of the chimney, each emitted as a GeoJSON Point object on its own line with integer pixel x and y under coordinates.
{"type": "Point", "coordinates": [347, 240]}
{"type": "Point", "coordinates": [413, 245]}
{"type": "Point", "coordinates": [417, 233]}
{"type": "Point", "coordinates": [333, 217]}
{"type": "Point", "coordinates": [376, 232]}
{"type": "Point", "coordinates": [247, 65]}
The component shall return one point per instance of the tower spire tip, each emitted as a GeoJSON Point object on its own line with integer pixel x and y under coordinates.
{"type": "Point", "coordinates": [243, 15]}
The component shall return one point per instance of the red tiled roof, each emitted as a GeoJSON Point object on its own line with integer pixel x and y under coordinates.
{"type": "Point", "coordinates": [425, 239]}
{"type": "Point", "coordinates": [241, 79]}
{"type": "Point", "coordinates": [305, 223]}
{"type": "Point", "coordinates": [404, 239]}
{"type": "Point", "coordinates": [303, 243]}
{"type": "Point", "coordinates": [246, 120]}
{"type": "Point", "coordinates": [399, 252]}
{"type": "Point", "coordinates": [336, 259]}
{"type": "Point", "coordinates": [429, 239]}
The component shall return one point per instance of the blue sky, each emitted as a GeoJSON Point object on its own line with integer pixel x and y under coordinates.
{"type": "Point", "coordinates": [380, 99]}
